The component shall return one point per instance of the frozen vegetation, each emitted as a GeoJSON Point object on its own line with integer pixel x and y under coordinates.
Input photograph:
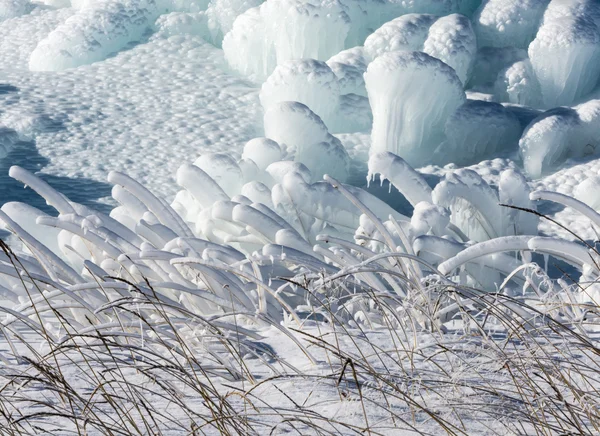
{"type": "Point", "coordinates": [310, 216]}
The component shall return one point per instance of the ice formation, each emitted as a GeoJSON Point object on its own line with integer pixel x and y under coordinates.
{"type": "Point", "coordinates": [409, 113]}
{"type": "Point", "coordinates": [508, 23]}
{"type": "Point", "coordinates": [13, 8]}
{"type": "Point", "coordinates": [565, 53]}
{"type": "Point", "coordinates": [558, 134]}
{"type": "Point", "coordinates": [94, 32]}
{"type": "Point", "coordinates": [478, 130]}
{"type": "Point", "coordinates": [450, 39]}
{"type": "Point", "coordinates": [518, 84]}
{"type": "Point", "coordinates": [261, 37]}
{"type": "Point", "coordinates": [306, 81]}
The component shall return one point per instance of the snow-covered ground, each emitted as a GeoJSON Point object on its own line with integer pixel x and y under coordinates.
{"type": "Point", "coordinates": [276, 174]}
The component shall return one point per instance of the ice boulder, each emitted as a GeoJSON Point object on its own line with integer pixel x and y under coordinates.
{"type": "Point", "coordinates": [222, 14]}
{"type": "Point", "coordinates": [518, 84]}
{"type": "Point", "coordinates": [514, 190]}
{"type": "Point", "coordinates": [98, 29]}
{"type": "Point", "coordinates": [407, 32]}
{"type": "Point", "coordinates": [478, 130]}
{"type": "Point", "coordinates": [307, 81]}
{"type": "Point", "coordinates": [224, 170]}
{"type": "Point", "coordinates": [549, 139]}
{"type": "Point", "coordinates": [302, 134]}
{"type": "Point", "coordinates": [565, 53]}
{"type": "Point", "coordinates": [13, 8]}
{"type": "Point", "coordinates": [349, 67]}
{"type": "Point", "coordinates": [450, 39]}
{"type": "Point", "coordinates": [412, 95]}
{"type": "Point", "coordinates": [508, 23]}
{"type": "Point", "coordinates": [262, 151]}
{"type": "Point", "coordinates": [182, 23]}
{"type": "Point", "coordinates": [559, 134]}
{"type": "Point", "coordinates": [277, 31]}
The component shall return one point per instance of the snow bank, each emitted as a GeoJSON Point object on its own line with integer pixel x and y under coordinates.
{"type": "Point", "coordinates": [412, 95]}
{"type": "Point", "coordinates": [349, 67]}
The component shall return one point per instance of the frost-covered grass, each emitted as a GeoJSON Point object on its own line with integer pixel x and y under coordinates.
{"type": "Point", "coordinates": [359, 336]}
{"type": "Point", "coordinates": [146, 364]}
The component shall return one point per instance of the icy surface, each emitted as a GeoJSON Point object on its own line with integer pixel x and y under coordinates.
{"type": "Point", "coordinates": [264, 158]}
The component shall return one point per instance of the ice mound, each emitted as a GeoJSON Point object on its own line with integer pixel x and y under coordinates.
{"type": "Point", "coordinates": [303, 135]}
{"type": "Point", "coordinates": [349, 67]}
{"type": "Point", "coordinates": [450, 39]}
{"type": "Point", "coordinates": [182, 23]}
{"type": "Point", "coordinates": [277, 31]}
{"type": "Point", "coordinates": [97, 30]}
{"type": "Point", "coordinates": [221, 15]}
{"type": "Point", "coordinates": [559, 134]}
{"type": "Point", "coordinates": [307, 81]}
{"type": "Point", "coordinates": [263, 152]}
{"type": "Point", "coordinates": [565, 53]}
{"type": "Point", "coordinates": [478, 130]}
{"type": "Point", "coordinates": [518, 84]}
{"type": "Point", "coordinates": [490, 62]}
{"type": "Point", "coordinates": [508, 23]}
{"type": "Point", "coordinates": [314, 84]}
{"type": "Point", "coordinates": [13, 8]}
{"type": "Point", "coordinates": [407, 32]}
{"type": "Point", "coordinates": [412, 95]}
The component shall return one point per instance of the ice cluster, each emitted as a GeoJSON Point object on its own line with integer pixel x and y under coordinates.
{"type": "Point", "coordinates": [435, 81]}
